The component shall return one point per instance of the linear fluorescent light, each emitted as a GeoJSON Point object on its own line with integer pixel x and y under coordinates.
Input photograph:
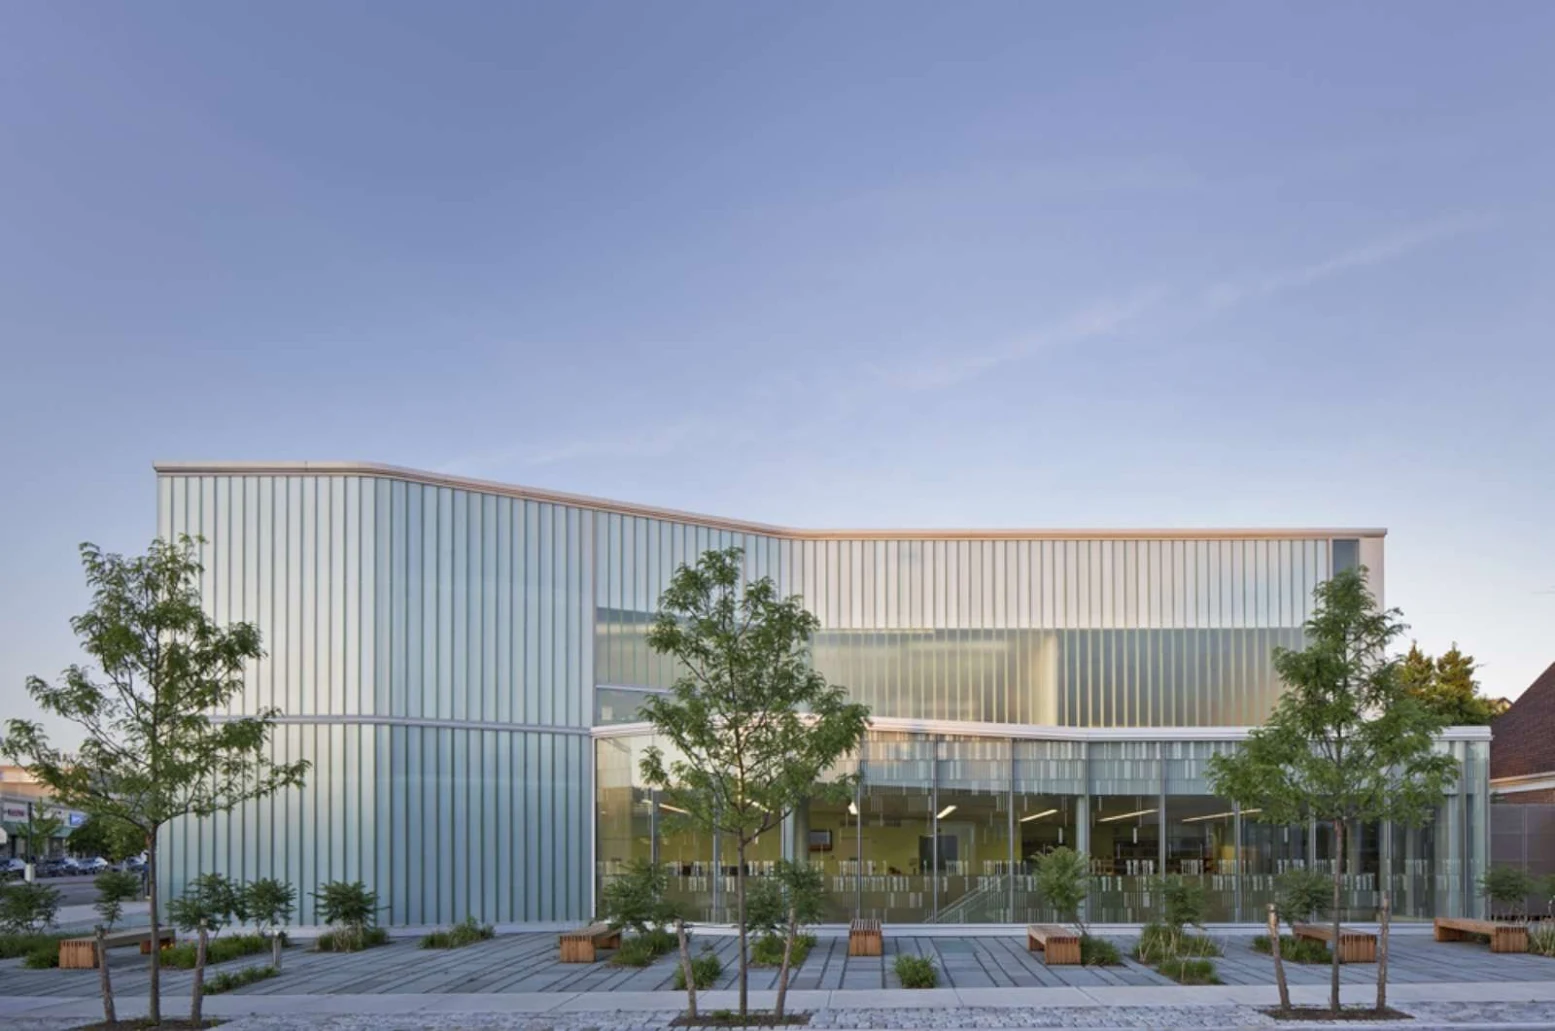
{"type": "Point", "coordinates": [673, 808]}
{"type": "Point", "coordinates": [1219, 816]}
{"type": "Point", "coordinates": [1125, 816]}
{"type": "Point", "coordinates": [1038, 816]}
{"type": "Point", "coordinates": [945, 812]}
{"type": "Point", "coordinates": [852, 808]}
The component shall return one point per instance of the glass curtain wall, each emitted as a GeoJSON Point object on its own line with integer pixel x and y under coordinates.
{"type": "Point", "coordinates": [974, 816]}
{"type": "Point", "coordinates": [896, 810]}
{"type": "Point", "coordinates": [947, 828]}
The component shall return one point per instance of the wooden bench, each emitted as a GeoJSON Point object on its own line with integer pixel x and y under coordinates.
{"type": "Point", "coordinates": [580, 946]}
{"type": "Point", "coordinates": [81, 953]}
{"type": "Point", "coordinates": [1354, 946]}
{"type": "Point", "coordinates": [865, 938]}
{"type": "Point", "coordinates": [1503, 937]}
{"type": "Point", "coordinates": [1060, 946]}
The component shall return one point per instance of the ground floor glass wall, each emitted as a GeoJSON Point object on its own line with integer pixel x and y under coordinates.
{"type": "Point", "coordinates": [949, 828]}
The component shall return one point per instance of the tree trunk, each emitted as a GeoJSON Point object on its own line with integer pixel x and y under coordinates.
{"type": "Point", "coordinates": [1382, 955]}
{"type": "Point", "coordinates": [788, 955]}
{"type": "Point", "coordinates": [155, 1007]}
{"type": "Point", "coordinates": [739, 896]}
{"type": "Point", "coordinates": [102, 977]}
{"type": "Point", "coordinates": [197, 996]}
{"type": "Point", "coordinates": [1279, 964]}
{"type": "Point", "coordinates": [1333, 984]}
{"type": "Point", "coordinates": [275, 948]}
{"type": "Point", "coordinates": [685, 969]}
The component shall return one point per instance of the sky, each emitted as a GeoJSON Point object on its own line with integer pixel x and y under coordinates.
{"type": "Point", "coordinates": [820, 265]}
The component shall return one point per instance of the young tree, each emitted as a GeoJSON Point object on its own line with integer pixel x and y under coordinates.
{"type": "Point", "coordinates": [40, 833]}
{"type": "Point", "coordinates": [1509, 886]}
{"type": "Point", "coordinates": [114, 840]}
{"type": "Point", "coordinates": [114, 889]}
{"type": "Point", "coordinates": [1063, 880]}
{"type": "Point", "coordinates": [793, 899]}
{"type": "Point", "coordinates": [269, 903]}
{"type": "Point", "coordinates": [1447, 686]}
{"type": "Point", "coordinates": [1346, 742]}
{"type": "Point", "coordinates": [153, 753]}
{"type": "Point", "coordinates": [750, 724]}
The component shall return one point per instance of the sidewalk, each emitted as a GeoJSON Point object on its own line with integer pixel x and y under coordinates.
{"type": "Point", "coordinates": [1234, 998]}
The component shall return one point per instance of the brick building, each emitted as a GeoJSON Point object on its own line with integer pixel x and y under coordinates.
{"type": "Point", "coordinates": [1522, 752]}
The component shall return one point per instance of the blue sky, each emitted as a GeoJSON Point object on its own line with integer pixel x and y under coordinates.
{"type": "Point", "coordinates": [822, 265]}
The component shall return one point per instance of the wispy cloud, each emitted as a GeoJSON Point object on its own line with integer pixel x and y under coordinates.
{"type": "Point", "coordinates": [951, 367]}
{"type": "Point", "coordinates": [1230, 292]}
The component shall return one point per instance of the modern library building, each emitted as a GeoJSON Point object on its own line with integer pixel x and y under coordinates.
{"type": "Point", "coordinates": [463, 662]}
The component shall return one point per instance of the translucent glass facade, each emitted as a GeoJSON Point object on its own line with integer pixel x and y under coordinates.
{"type": "Point", "coordinates": [944, 828]}
{"type": "Point", "coordinates": [463, 662]}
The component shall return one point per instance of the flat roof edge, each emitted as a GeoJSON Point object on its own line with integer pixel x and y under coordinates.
{"type": "Point", "coordinates": [295, 468]}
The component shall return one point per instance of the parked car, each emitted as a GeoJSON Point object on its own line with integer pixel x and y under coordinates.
{"type": "Point", "coordinates": [54, 866]}
{"type": "Point", "coordinates": [134, 864]}
{"type": "Point", "coordinates": [91, 864]}
{"type": "Point", "coordinates": [13, 869]}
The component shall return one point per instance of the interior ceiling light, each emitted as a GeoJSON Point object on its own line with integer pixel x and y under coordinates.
{"type": "Point", "coordinates": [1038, 816]}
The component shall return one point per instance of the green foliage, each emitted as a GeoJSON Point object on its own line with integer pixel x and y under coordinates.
{"type": "Point", "coordinates": [1348, 740]}
{"type": "Point", "coordinates": [212, 898]}
{"type": "Point", "coordinates": [351, 940]}
{"type": "Point", "coordinates": [635, 951]}
{"type": "Point", "coordinates": [1189, 971]}
{"type": "Point", "coordinates": [269, 903]}
{"type": "Point", "coordinates": [705, 971]}
{"type": "Point", "coordinates": [635, 899]}
{"type": "Point", "coordinates": [465, 932]}
{"type": "Point", "coordinates": [158, 669]}
{"type": "Point", "coordinates": [105, 836]}
{"type": "Point", "coordinates": [1447, 686]}
{"type": "Point", "coordinates": [1160, 941]}
{"type": "Point", "coordinates": [1302, 896]}
{"type": "Point", "coordinates": [27, 908]}
{"type": "Point", "coordinates": [1508, 885]}
{"type": "Point", "coordinates": [227, 980]}
{"type": "Point", "coordinates": [1063, 881]}
{"type": "Point", "coordinates": [916, 971]}
{"type": "Point", "coordinates": [768, 950]}
{"type": "Point", "coordinates": [753, 727]}
{"type": "Point", "coordinates": [1541, 939]}
{"type": "Point", "coordinates": [114, 889]}
{"type": "Point", "coordinates": [1296, 950]}
{"type": "Point", "coordinates": [42, 957]}
{"type": "Point", "coordinates": [41, 830]}
{"type": "Point", "coordinates": [1099, 952]}
{"type": "Point", "coordinates": [350, 910]}
{"type": "Point", "coordinates": [795, 891]}
{"type": "Point", "coordinates": [1182, 903]}
{"type": "Point", "coordinates": [14, 946]}
{"type": "Point", "coordinates": [217, 950]}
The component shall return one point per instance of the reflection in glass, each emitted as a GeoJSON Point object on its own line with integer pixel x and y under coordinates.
{"type": "Point", "coordinates": [1268, 850]}
{"type": "Point", "coordinates": [1201, 847]}
{"type": "Point", "coordinates": [1125, 856]}
{"type": "Point", "coordinates": [973, 799]}
{"type": "Point", "coordinates": [896, 810]}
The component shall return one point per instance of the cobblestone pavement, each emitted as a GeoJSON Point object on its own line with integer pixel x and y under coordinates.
{"type": "Point", "coordinates": [1143, 1018]}
{"type": "Point", "coordinates": [520, 963]}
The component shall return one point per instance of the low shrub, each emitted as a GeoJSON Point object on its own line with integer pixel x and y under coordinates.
{"type": "Point", "coordinates": [705, 970]}
{"type": "Point", "coordinates": [217, 950]}
{"type": "Point", "coordinates": [768, 950]}
{"type": "Point", "coordinates": [1189, 971]}
{"type": "Point", "coordinates": [466, 932]}
{"type": "Point", "coordinates": [1159, 942]}
{"type": "Point", "coordinates": [661, 939]}
{"type": "Point", "coordinates": [636, 951]}
{"type": "Point", "coordinates": [1541, 940]}
{"type": "Point", "coordinates": [1296, 950]}
{"type": "Point", "coordinates": [230, 979]}
{"type": "Point", "coordinates": [345, 940]}
{"type": "Point", "coordinates": [1099, 952]}
{"type": "Point", "coordinates": [14, 946]}
{"type": "Point", "coordinates": [916, 971]}
{"type": "Point", "coordinates": [42, 957]}
{"type": "Point", "coordinates": [27, 908]}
